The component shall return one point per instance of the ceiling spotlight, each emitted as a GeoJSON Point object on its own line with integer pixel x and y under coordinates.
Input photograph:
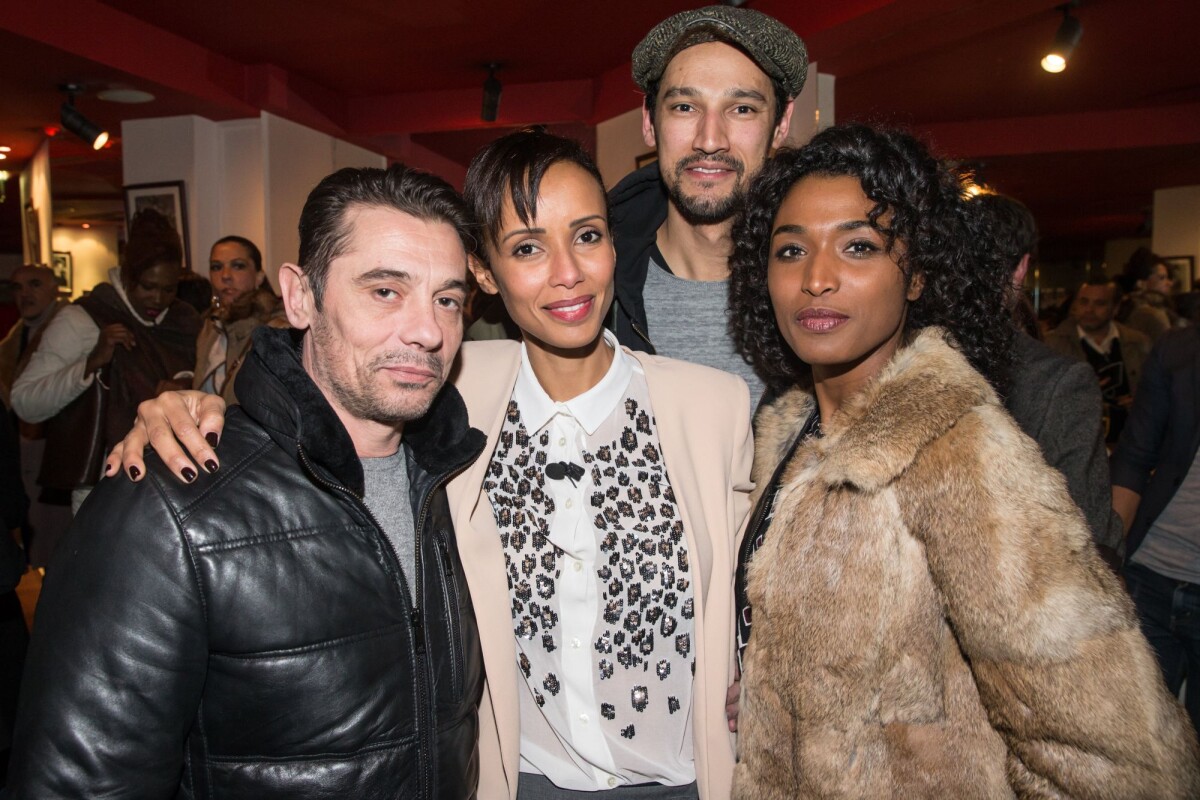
{"type": "Point", "coordinates": [1065, 40]}
{"type": "Point", "coordinates": [491, 95]}
{"type": "Point", "coordinates": [77, 123]}
{"type": "Point", "coordinates": [5, 149]}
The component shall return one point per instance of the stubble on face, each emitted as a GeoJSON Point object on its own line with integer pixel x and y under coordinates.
{"type": "Point", "coordinates": [704, 209]}
{"type": "Point", "coordinates": [365, 390]}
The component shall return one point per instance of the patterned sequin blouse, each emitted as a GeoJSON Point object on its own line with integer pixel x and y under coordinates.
{"type": "Point", "coordinates": [599, 583]}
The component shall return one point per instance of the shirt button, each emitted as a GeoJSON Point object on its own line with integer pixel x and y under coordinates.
{"type": "Point", "coordinates": [562, 441]}
{"type": "Point", "coordinates": [575, 643]}
{"type": "Point", "coordinates": [570, 503]}
{"type": "Point", "coordinates": [612, 782]}
{"type": "Point", "coordinates": [577, 566]}
{"type": "Point", "coordinates": [584, 718]}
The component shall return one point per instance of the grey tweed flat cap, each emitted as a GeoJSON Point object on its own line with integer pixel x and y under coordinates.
{"type": "Point", "coordinates": [773, 46]}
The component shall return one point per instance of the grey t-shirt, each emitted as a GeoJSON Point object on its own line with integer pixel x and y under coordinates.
{"type": "Point", "coordinates": [386, 495]}
{"type": "Point", "coordinates": [1172, 545]}
{"type": "Point", "coordinates": [688, 320]}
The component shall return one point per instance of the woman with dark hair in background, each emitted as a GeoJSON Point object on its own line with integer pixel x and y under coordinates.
{"type": "Point", "coordinates": [1148, 305]}
{"type": "Point", "coordinates": [930, 619]}
{"type": "Point", "coordinates": [242, 300]}
{"type": "Point", "coordinates": [106, 353]}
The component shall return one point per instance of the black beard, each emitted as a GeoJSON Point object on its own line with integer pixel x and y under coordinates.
{"type": "Point", "coordinates": [707, 211]}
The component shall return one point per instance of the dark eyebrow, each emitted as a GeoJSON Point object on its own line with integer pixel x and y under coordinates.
{"type": "Point", "coordinates": [734, 92]}
{"type": "Point", "coordinates": [453, 283]}
{"type": "Point", "coordinates": [849, 225]}
{"type": "Point", "coordinates": [383, 273]}
{"type": "Point", "coordinates": [522, 232]}
{"type": "Point", "coordinates": [577, 222]}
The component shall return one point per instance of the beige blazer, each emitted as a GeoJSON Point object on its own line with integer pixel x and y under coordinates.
{"type": "Point", "coordinates": [703, 418]}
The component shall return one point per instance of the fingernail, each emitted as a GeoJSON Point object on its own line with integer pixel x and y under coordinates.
{"type": "Point", "coordinates": [210, 465]}
{"type": "Point", "coordinates": [134, 472]}
{"type": "Point", "coordinates": [188, 474]}
{"type": "Point", "coordinates": [212, 439]}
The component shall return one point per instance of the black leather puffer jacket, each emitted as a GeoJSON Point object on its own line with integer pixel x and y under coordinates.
{"type": "Point", "coordinates": [251, 635]}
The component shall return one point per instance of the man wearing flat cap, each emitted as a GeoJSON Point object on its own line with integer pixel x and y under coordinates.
{"type": "Point", "coordinates": [719, 85]}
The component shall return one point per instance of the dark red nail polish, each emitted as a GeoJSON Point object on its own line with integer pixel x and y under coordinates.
{"type": "Point", "coordinates": [210, 465]}
{"type": "Point", "coordinates": [134, 472]}
{"type": "Point", "coordinates": [212, 439]}
{"type": "Point", "coordinates": [188, 474]}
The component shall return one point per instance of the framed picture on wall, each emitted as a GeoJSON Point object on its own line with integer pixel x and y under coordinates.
{"type": "Point", "coordinates": [167, 199]}
{"type": "Point", "coordinates": [1180, 266]}
{"type": "Point", "coordinates": [63, 271]}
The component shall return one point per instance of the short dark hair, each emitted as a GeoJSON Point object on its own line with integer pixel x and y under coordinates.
{"type": "Point", "coordinates": [512, 167]}
{"type": "Point", "coordinates": [1012, 226]}
{"type": "Point", "coordinates": [1103, 280]}
{"type": "Point", "coordinates": [153, 240]}
{"type": "Point", "coordinates": [323, 229]}
{"type": "Point", "coordinates": [1140, 267]}
{"type": "Point", "coordinates": [703, 34]}
{"type": "Point", "coordinates": [249, 246]}
{"type": "Point", "coordinates": [918, 204]}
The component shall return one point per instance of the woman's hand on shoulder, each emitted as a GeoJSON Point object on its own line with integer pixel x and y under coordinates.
{"type": "Point", "coordinates": [189, 418]}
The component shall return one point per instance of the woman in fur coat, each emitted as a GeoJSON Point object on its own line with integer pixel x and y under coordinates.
{"type": "Point", "coordinates": [930, 619]}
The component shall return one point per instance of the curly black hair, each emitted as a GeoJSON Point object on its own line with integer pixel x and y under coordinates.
{"type": "Point", "coordinates": [918, 204]}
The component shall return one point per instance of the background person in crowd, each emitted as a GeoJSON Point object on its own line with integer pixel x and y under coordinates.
{"type": "Point", "coordinates": [1147, 305]}
{"type": "Point", "coordinates": [106, 353]}
{"type": "Point", "coordinates": [604, 513]}
{"type": "Point", "coordinates": [1054, 398]}
{"type": "Point", "coordinates": [1156, 490]}
{"type": "Point", "coordinates": [36, 295]}
{"type": "Point", "coordinates": [297, 624]}
{"type": "Point", "coordinates": [1114, 351]}
{"type": "Point", "coordinates": [719, 84]}
{"type": "Point", "coordinates": [242, 300]}
{"type": "Point", "coordinates": [929, 618]}
{"type": "Point", "coordinates": [14, 636]}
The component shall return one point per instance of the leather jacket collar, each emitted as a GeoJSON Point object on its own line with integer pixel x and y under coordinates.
{"type": "Point", "coordinates": [275, 390]}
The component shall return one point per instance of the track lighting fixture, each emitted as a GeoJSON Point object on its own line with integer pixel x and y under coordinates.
{"type": "Point", "coordinates": [77, 123]}
{"type": "Point", "coordinates": [1065, 40]}
{"type": "Point", "coordinates": [491, 95]}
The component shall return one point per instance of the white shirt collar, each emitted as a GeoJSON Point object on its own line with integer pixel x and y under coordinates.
{"type": "Point", "coordinates": [1105, 345]}
{"type": "Point", "coordinates": [590, 408]}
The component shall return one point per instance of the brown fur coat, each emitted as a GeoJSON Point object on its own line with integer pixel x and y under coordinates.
{"type": "Point", "coordinates": [931, 619]}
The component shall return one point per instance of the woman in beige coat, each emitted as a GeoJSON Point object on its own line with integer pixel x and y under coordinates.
{"type": "Point", "coordinates": [598, 530]}
{"type": "Point", "coordinates": [929, 617]}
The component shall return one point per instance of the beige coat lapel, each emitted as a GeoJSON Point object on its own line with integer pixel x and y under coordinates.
{"type": "Point", "coordinates": [485, 376]}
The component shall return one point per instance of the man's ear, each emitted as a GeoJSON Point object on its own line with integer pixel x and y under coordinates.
{"type": "Point", "coordinates": [648, 127]}
{"type": "Point", "coordinates": [483, 275]}
{"type": "Point", "coordinates": [298, 299]}
{"type": "Point", "coordinates": [785, 124]}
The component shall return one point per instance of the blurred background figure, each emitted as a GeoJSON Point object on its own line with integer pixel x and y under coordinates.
{"type": "Point", "coordinates": [1115, 351]}
{"type": "Point", "coordinates": [1156, 490]}
{"type": "Point", "coordinates": [104, 354]}
{"type": "Point", "coordinates": [1053, 397]}
{"type": "Point", "coordinates": [14, 636]}
{"type": "Point", "coordinates": [1148, 306]}
{"type": "Point", "coordinates": [36, 296]}
{"type": "Point", "coordinates": [242, 300]}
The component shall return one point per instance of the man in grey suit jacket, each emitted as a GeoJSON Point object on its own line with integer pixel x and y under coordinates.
{"type": "Point", "coordinates": [1055, 399]}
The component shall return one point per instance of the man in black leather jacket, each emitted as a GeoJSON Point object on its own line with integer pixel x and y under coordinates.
{"type": "Point", "coordinates": [267, 630]}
